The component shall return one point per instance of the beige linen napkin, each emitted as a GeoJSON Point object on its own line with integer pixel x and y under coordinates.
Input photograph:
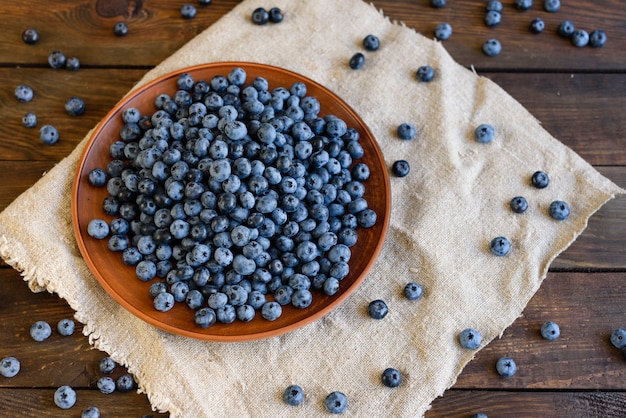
{"type": "Point", "coordinates": [444, 214]}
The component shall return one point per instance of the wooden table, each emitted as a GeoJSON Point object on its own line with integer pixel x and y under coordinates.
{"type": "Point", "coordinates": [577, 93]}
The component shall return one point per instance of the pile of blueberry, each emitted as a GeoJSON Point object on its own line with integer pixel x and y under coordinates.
{"type": "Point", "coordinates": [230, 193]}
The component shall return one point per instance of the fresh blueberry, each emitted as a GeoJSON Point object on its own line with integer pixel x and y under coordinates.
{"type": "Point", "coordinates": [205, 317]}
{"type": "Point", "coordinates": [480, 415]}
{"type": "Point", "coordinates": [64, 397]}
{"type": "Point", "coordinates": [98, 228]}
{"type": "Point", "coordinates": [506, 367]}
{"type": "Point", "coordinates": [597, 39]}
{"type": "Point", "coordinates": [518, 204]}
{"type": "Point", "coordinates": [492, 18]}
{"type": "Point", "coordinates": [9, 366]}
{"type": "Point", "coordinates": [205, 2]}
{"type": "Point", "coordinates": [90, 412]}
{"type": "Point", "coordinates": [484, 133]}
{"type": "Point", "coordinates": [437, 3]}
{"type": "Point", "coordinates": [336, 403]}
{"type": "Point", "coordinates": [391, 377]}
{"type": "Point", "coordinates": [106, 385]}
{"type": "Point", "coordinates": [371, 42]}
{"type": "Point", "coordinates": [260, 16]}
{"type": "Point", "coordinates": [188, 11]}
{"type": "Point", "coordinates": [40, 331]}
{"type": "Point", "coordinates": [494, 6]}
{"type": "Point", "coordinates": [73, 64]}
{"type": "Point", "coordinates": [425, 73]}
{"type": "Point", "coordinates": [523, 4]}
{"type": "Point", "coordinates": [125, 383]}
{"type": "Point", "coordinates": [357, 61]}
{"type": "Point", "coordinates": [566, 29]}
{"type": "Point", "coordinates": [271, 311]}
{"type": "Point", "coordinates": [163, 302]}
{"type": "Point", "coordinates": [275, 15]}
{"type": "Point", "coordinates": [537, 25]}
{"type": "Point", "coordinates": [66, 327]}
{"type": "Point", "coordinates": [559, 210]}
{"type": "Point", "coordinates": [406, 131]}
{"type": "Point", "coordinates": [618, 338]}
{"type": "Point", "coordinates": [48, 134]}
{"type": "Point", "coordinates": [377, 309]}
{"type": "Point", "coordinates": [29, 120]}
{"type": "Point", "coordinates": [580, 38]}
{"type": "Point", "coordinates": [540, 179]}
{"type": "Point", "coordinates": [23, 93]}
{"type": "Point", "coordinates": [443, 31]}
{"type": "Point", "coordinates": [30, 36]}
{"type": "Point", "coordinates": [301, 298]}
{"type": "Point", "coordinates": [550, 331]}
{"type": "Point", "coordinates": [492, 47]}
{"type": "Point", "coordinates": [470, 338]}
{"type": "Point", "coordinates": [293, 395]}
{"type": "Point", "coordinates": [551, 6]}
{"type": "Point", "coordinates": [400, 168]}
{"type": "Point", "coordinates": [413, 291]}
{"type": "Point", "coordinates": [75, 106]}
{"type": "Point", "coordinates": [500, 246]}
{"type": "Point", "coordinates": [107, 365]}
{"type": "Point", "coordinates": [57, 59]}
{"type": "Point", "coordinates": [120, 29]}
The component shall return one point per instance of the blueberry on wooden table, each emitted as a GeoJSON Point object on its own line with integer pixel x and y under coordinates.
{"type": "Point", "coordinates": [494, 6]}
{"type": "Point", "coordinates": [106, 385]}
{"type": "Point", "coordinates": [30, 36]}
{"type": "Point", "coordinates": [537, 25]}
{"type": "Point", "coordinates": [188, 11]}
{"type": "Point", "coordinates": [618, 338]}
{"type": "Point", "coordinates": [65, 397]}
{"type": "Point", "coordinates": [90, 412]}
{"type": "Point", "coordinates": [523, 4]}
{"type": "Point", "coordinates": [492, 47]}
{"type": "Point", "coordinates": [24, 93]}
{"type": "Point", "coordinates": [29, 120]}
{"type": "Point", "coordinates": [120, 29]}
{"type": "Point", "coordinates": [9, 366]}
{"type": "Point", "coordinates": [580, 38]}
{"type": "Point", "coordinates": [550, 331]}
{"type": "Point", "coordinates": [72, 64]}
{"type": "Point", "coordinates": [597, 38]}
{"type": "Point", "coordinates": [492, 18]}
{"type": "Point", "coordinates": [75, 106]}
{"type": "Point", "coordinates": [40, 331]}
{"type": "Point", "coordinates": [506, 367]}
{"type": "Point", "coordinates": [566, 29]}
{"type": "Point", "coordinates": [438, 3]}
{"type": "Point", "coordinates": [551, 6]}
{"type": "Point", "coordinates": [57, 60]}
{"type": "Point", "coordinates": [443, 31]}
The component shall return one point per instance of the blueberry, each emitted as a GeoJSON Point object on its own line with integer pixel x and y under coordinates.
{"type": "Point", "coordinates": [23, 93]}
{"type": "Point", "coordinates": [492, 18]}
{"type": "Point", "coordinates": [260, 16]}
{"type": "Point", "coordinates": [275, 15]}
{"type": "Point", "coordinates": [523, 4]}
{"type": "Point", "coordinates": [470, 338]}
{"type": "Point", "coordinates": [40, 331]}
{"type": "Point", "coordinates": [357, 61]}
{"type": "Point", "coordinates": [65, 327]}
{"type": "Point", "coordinates": [618, 338]}
{"type": "Point", "coordinates": [551, 6]}
{"type": "Point", "coordinates": [406, 131]}
{"type": "Point", "coordinates": [271, 311]}
{"type": "Point", "coordinates": [205, 317]}
{"type": "Point", "coordinates": [500, 246]}
{"type": "Point", "coordinates": [107, 365]}
{"type": "Point", "coordinates": [72, 64]}
{"type": "Point", "coordinates": [400, 168]}
{"type": "Point", "coordinates": [425, 73]}
{"type": "Point", "coordinates": [29, 120]}
{"type": "Point", "coordinates": [484, 133]}
{"type": "Point", "coordinates": [550, 331]}
{"type": "Point", "coordinates": [163, 302]}
{"type": "Point", "coordinates": [443, 31]}
{"type": "Point", "coordinates": [64, 397]}
{"type": "Point", "coordinates": [597, 39]}
{"type": "Point", "coordinates": [120, 29]}
{"type": "Point", "coordinates": [494, 6]}
{"type": "Point", "coordinates": [540, 180]}
{"type": "Point", "coordinates": [57, 59]}
{"type": "Point", "coordinates": [75, 106]}
{"type": "Point", "coordinates": [437, 3]}
{"type": "Point", "coordinates": [537, 25]}
{"type": "Point", "coordinates": [9, 366]}
{"type": "Point", "coordinates": [391, 377]}
{"type": "Point", "coordinates": [413, 291]}
{"type": "Point", "coordinates": [336, 403]}
{"type": "Point", "coordinates": [301, 298]}
{"type": "Point", "coordinates": [377, 309]}
{"type": "Point", "coordinates": [580, 38]}
{"type": "Point", "coordinates": [30, 36]}
{"type": "Point", "coordinates": [492, 47]}
{"type": "Point", "coordinates": [188, 11]}
{"type": "Point", "coordinates": [98, 228]}
{"type": "Point", "coordinates": [480, 415]}
{"type": "Point", "coordinates": [293, 395]}
{"type": "Point", "coordinates": [90, 412]}
{"type": "Point", "coordinates": [371, 42]}
{"type": "Point", "coordinates": [559, 210]}
{"type": "Point", "coordinates": [48, 134]}
{"type": "Point", "coordinates": [205, 2]}
{"type": "Point", "coordinates": [566, 29]}
{"type": "Point", "coordinates": [106, 385]}
{"type": "Point", "coordinates": [506, 367]}
{"type": "Point", "coordinates": [518, 204]}
{"type": "Point", "coordinates": [125, 383]}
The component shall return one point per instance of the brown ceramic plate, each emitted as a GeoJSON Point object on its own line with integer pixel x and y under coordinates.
{"type": "Point", "coordinates": [119, 280]}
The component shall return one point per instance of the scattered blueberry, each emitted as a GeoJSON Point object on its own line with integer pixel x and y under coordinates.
{"type": "Point", "coordinates": [566, 29]}
{"type": "Point", "coordinates": [293, 395]}
{"type": "Point", "coordinates": [480, 415]}
{"type": "Point", "coordinates": [336, 403]}
{"type": "Point", "coordinates": [506, 367]}
{"type": "Point", "coordinates": [66, 327]}
{"type": "Point", "coordinates": [120, 29]}
{"type": "Point", "coordinates": [357, 61]}
{"type": "Point", "coordinates": [106, 385]}
{"type": "Point", "coordinates": [618, 338]}
{"type": "Point", "coordinates": [188, 11]}
{"type": "Point", "coordinates": [400, 168]}
{"type": "Point", "coordinates": [9, 366]}
{"type": "Point", "coordinates": [597, 39]}
{"type": "Point", "coordinates": [492, 18]}
{"type": "Point", "coordinates": [377, 309]}
{"type": "Point", "coordinates": [537, 25]}
{"type": "Point", "coordinates": [492, 47]}
{"type": "Point", "coordinates": [65, 397]}
{"type": "Point", "coordinates": [260, 16]}
{"type": "Point", "coordinates": [518, 204]}
{"type": "Point", "coordinates": [30, 36]}
{"type": "Point", "coordinates": [540, 180]}
{"type": "Point", "coordinates": [57, 59]}
{"type": "Point", "coordinates": [72, 64]}
{"type": "Point", "coordinates": [470, 338]}
{"type": "Point", "coordinates": [484, 133]}
{"type": "Point", "coordinates": [40, 331]}
{"type": "Point", "coordinates": [580, 38]}
{"type": "Point", "coordinates": [48, 134]}
{"type": "Point", "coordinates": [90, 412]}
{"type": "Point", "coordinates": [413, 291]}
{"type": "Point", "coordinates": [98, 228]}
{"type": "Point", "coordinates": [438, 3]}
{"type": "Point", "coordinates": [125, 383]}
{"type": "Point", "coordinates": [425, 73]}
{"type": "Point", "coordinates": [500, 246]}
{"type": "Point", "coordinates": [550, 331]}
{"type": "Point", "coordinates": [276, 15]}
{"type": "Point", "coordinates": [371, 42]}
{"type": "Point", "coordinates": [29, 120]}
{"type": "Point", "coordinates": [205, 2]}
{"type": "Point", "coordinates": [391, 377]}
{"type": "Point", "coordinates": [443, 31]}
{"type": "Point", "coordinates": [494, 6]}
{"type": "Point", "coordinates": [75, 106]}
{"type": "Point", "coordinates": [107, 365]}
{"type": "Point", "coordinates": [24, 93]}
{"type": "Point", "coordinates": [523, 4]}
{"type": "Point", "coordinates": [559, 210]}
{"type": "Point", "coordinates": [551, 6]}
{"type": "Point", "coordinates": [406, 131]}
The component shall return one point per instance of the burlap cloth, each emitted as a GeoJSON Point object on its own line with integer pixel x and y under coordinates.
{"type": "Point", "coordinates": [444, 214]}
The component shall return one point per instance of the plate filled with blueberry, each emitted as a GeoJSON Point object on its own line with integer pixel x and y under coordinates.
{"type": "Point", "coordinates": [231, 201]}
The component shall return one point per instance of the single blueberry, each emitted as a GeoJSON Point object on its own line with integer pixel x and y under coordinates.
{"type": "Point", "coordinates": [106, 385]}
{"type": "Point", "coordinates": [9, 366]}
{"type": "Point", "coordinates": [120, 29]}
{"type": "Point", "coordinates": [492, 47]}
{"type": "Point", "coordinates": [75, 106]}
{"type": "Point", "coordinates": [57, 59]}
{"type": "Point", "coordinates": [125, 383]}
{"type": "Point", "coordinates": [30, 36]}
{"type": "Point", "coordinates": [336, 403]}
{"type": "Point", "coordinates": [443, 31]}
{"type": "Point", "coordinates": [29, 120]}
{"type": "Point", "coordinates": [597, 38]}
{"type": "Point", "coordinates": [371, 42]}
{"type": "Point", "coordinates": [551, 6]}
{"type": "Point", "coordinates": [205, 317]}
{"type": "Point", "coordinates": [559, 210]}
{"type": "Point", "coordinates": [518, 204]}
{"type": "Point", "coordinates": [271, 311]}
{"type": "Point", "coordinates": [400, 168]}
{"type": "Point", "coordinates": [494, 6]}
{"type": "Point", "coordinates": [523, 4]}
{"type": "Point", "coordinates": [48, 134]}
{"type": "Point", "coordinates": [425, 73]}
{"type": "Point", "coordinates": [107, 365]}
{"type": "Point", "coordinates": [357, 61]}
{"type": "Point", "coordinates": [90, 412]}
{"type": "Point", "coordinates": [480, 415]}
{"type": "Point", "coordinates": [275, 15]}
{"type": "Point", "coordinates": [618, 338]}
{"type": "Point", "coordinates": [293, 395]}
{"type": "Point", "coordinates": [260, 16]}
{"type": "Point", "coordinates": [580, 38]}
{"type": "Point", "coordinates": [377, 309]}
{"type": "Point", "coordinates": [98, 228]}
{"type": "Point", "coordinates": [188, 11]}
{"type": "Point", "coordinates": [470, 338]}
{"type": "Point", "coordinates": [163, 302]}
{"type": "Point", "coordinates": [566, 29]}
{"type": "Point", "coordinates": [540, 179]}
{"type": "Point", "coordinates": [506, 367]}
{"type": "Point", "coordinates": [23, 93]}
{"type": "Point", "coordinates": [413, 291]}
{"type": "Point", "coordinates": [437, 3]}
{"type": "Point", "coordinates": [40, 331]}
{"type": "Point", "coordinates": [64, 397]}
{"type": "Point", "coordinates": [492, 18]}
{"type": "Point", "coordinates": [537, 25]}
{"type": "Point", "coordinates": [550, 331]}
{"type": "Point", "coordinates": [500, 246]}
{"type": "Point", "coordinates": [484, 133]}
{"type": "Point", "coordinates": [391, 377]}
{"type": "Point", "coordinates": [72, 64]}
{"type": "Point", "coordinates": [406, 131]}
{"type": "Point", "coordinates": [65, 327]}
